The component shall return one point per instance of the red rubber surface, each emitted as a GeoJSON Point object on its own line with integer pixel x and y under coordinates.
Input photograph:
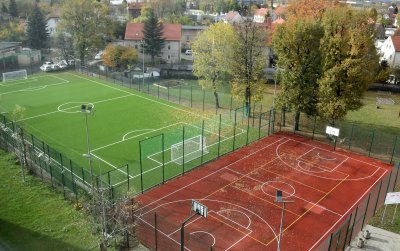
{"type": "Point", "coordinates": [239, 191]}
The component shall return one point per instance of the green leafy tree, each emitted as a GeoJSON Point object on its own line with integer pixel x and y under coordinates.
{"type": "Point", "coordinates": [118, 56]}
{"type": "Point", "coordinates": [66, 45]}
{"type": "Point", "coordinates": [37, 33]}
{"type": "Point", "coordinates": [350, 62]}
{"type": "Point", "coordinates": [296, 44]}
{"type": "Point", "coordinates": [153, 36]}
{"type": "Point", "coordinates": [12, 32]}
{"type": "Point", "coordinates": [213, 49]}
{"type": "Point", "coordinates": [89, 25]}
{"type": "Point", "coordinates": [4, 8]}
{"type": "Point", "coordinates": [12, 8]}
{"type": "Point", "coordinates": [247, 68]}
{"type": "Point", "coordinates": [373, 13]}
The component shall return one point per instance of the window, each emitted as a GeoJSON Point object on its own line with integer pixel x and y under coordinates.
{"type": "Point", "coordinates": [169, 57]}
{"type": "Point", "coordinates": [187, 38]}
{"type": "Point", "coordinates": [169, 47]}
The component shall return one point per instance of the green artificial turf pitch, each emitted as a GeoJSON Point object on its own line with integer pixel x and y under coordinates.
{"type": "Point", "coordinates": [122, 118]}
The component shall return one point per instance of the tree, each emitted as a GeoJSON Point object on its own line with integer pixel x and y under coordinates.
{"type": "Point", "coordinates": [308, 8]}
{"type": "Point", "coordinates": [247, 68]}
{"type": "Point", "coordinates": [37, 33]}
{"type": "Point", "coordinates": [296, 44]}
{"type": "Point", "coordinates": [12, 31]}
{"type": "Point", "coordinates": [350, 62]}
{"type": "Point", "coordinates": [153, 36]}
{"type": "Point", "coordinates": [4, 8]}
{"type": "Point", "coordinates": [373, 13]}
{"type": "Point", "coordinates": [65, 43]}
{"type": "Point", "coordinates": [12, 8]}
{"type": "Point", "coordinates": [213, 49]}
{"type": "Point", "coordinates": [118, 56]}
{"type": "Point", "coordinates": [88, 23]}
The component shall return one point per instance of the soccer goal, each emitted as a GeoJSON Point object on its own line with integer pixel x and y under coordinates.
{"type": "Point", "coordinates": [188, 150]}
{"type": "Point", "coordinates": [14, 75]}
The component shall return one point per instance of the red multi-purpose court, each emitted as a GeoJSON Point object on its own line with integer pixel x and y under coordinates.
{"type": "Point", "coordinates": [323, 186]}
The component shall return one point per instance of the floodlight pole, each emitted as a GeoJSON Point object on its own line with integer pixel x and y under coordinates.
{"type": "Point", "coordinates": [279, 199]}
{"type": "Point", "coordinates": [183, 231]}
{"type": "Point", "coordinates": [86, 112]}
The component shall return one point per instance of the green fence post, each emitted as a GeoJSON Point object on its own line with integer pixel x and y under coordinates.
{"type": "Point", "coordinates": [191, 96]}
{"type": "Point", "coordinates": [33, 141]}
{"type": "Point", "coordinates": [366, 210]}
{"type": "Point", "coordinates": [183, 150]}
{"type": "Point", "coordinates": [394, 149]}
{"type": "Point", "coordinates": [269, 122]}
{"type": "Point", "coordinates": [259, 126]}
{"type": "Point", "coordinates": [377, 198]}
{"type": "Point", "coordinates": [204, 96]}
{"type": "Point", "coordinates": [248, 127]}
{"type": "Point", "coordinates": [158, 91]}
{"type": "Point", "coordinates": [72, 176]}
{"type": "Point", "coordinates": [347, 232]}
{"type": "Point", "coordinates": [109, 178]}
{"type": "Point", "coordinates": [372, 141]}
{"type": "Point", "coordinates": [397, 175]}
{"type": "Point", "coordinates": [315, 123]}
{"type": "Point", "coordinates": [230, 109]}
{"type": "Point", "coordinates": [141, 165]}
{"type": "Point", "coordinates": [254, 109]}
{"type": "Point", "coordinates": [234, 133]}
{"type": "Point", "coordinates": [179, 95]}
{"type": "Point", "coordinates": [330, 242]}
{"type": "Point", "coordinates": [51, 176]}
{"type": "Point", "coordinates": [219, 133]}
{"type": "Point", "coordinates": [168, 93]}
{"type": "Point", "coordinates": [163, 160]}
{"type": "Point", "coordinates": [148, 88]}
{"type": "Point", "coordinates": [354, 222]}
{"type": "Point", "coordinates": [63, 182]}
{"type": "Point", "coordinates": [127, 175]}
{"type": "Point", "coordinates": [83, 175]}
{"type": "Point", "coordinates": [351, 135]}
{"type": "Point", "coordinates": [202, 146]}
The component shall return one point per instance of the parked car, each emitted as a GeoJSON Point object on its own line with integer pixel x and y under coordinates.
{"type": "Point", "coordinates": [47, 66]}
{"type": "Point", "coordinates": [188, 52]}
{"type": "Point", "coordinates": [99, 55]}
{"type": "Point", "coordinates": [55, 67]}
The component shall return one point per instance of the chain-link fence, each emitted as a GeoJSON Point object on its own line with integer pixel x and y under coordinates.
{"type": "Point", "coordinates": [357, 137]}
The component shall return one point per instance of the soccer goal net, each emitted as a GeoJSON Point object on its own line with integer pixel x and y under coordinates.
{"type": "Point", "coordinates": [188, 150]}
{"type": "Point", "coordinates": [14, 75]}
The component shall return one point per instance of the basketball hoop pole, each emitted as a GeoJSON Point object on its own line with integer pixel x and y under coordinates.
{"type": "Point", "coordinates": [183, 231]}
{"type": "Point", "coordinates": [279, 199]}
{"type": "Point", "coordinates": [335, 139]}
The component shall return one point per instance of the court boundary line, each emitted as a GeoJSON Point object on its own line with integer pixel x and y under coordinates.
{"type": "Point", "coordinates": [346, 213]}
{"type": "Point", "coordinates": [326, 178]}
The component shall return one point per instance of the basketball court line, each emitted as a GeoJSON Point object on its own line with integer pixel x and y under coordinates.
{"type": "Point", "coordinates": [294, 195]}
{"type": "Point", "coordinates": [300, 158]}
{"type": "Point", "coordinates": [311, 207]}
{"type": "Point", "coordinates": [234, 210]}
{"type": "Point", "coordinates": [346, 213]}
{"type": "Point", "coordinates": [323, 177]}
{"type": "Point", "coordinates": [212, 173]}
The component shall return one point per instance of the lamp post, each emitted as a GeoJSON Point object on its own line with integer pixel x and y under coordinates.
{"type": "Point", "coordinates": [279, 199]}
{"type": "Point", "coordinates": [87, 109]}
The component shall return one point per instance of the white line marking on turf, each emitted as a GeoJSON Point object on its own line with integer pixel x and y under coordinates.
{"type": "Point", "coordinates": [21, 82]}
{"type": "Point", "coordinates": [139, 130]}
{"type": "Point", "coordinates": [116, 168]}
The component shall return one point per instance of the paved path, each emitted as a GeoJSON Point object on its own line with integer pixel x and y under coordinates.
{"type": "Point", "coordinates": [381, 240]}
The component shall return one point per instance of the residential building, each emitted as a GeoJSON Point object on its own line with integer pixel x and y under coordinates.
{"type": "Point", "coordinates": [52, 22]}
{"type": "Point", "coordinates": [260, 15]}
{"type": "Point", "coordinates": [233, 17]}
{"type": "Point", "coordinates": [171, 53]}
{"type": "Point", "coordinates": [189, 34]}
{"type": "Point", "coordinates": [135, 9]}
{"type": "Point", "coordinates": [390, 51]}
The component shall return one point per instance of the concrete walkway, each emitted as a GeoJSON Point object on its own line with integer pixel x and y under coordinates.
{"type": "Point", "coordinates": [380, 240]}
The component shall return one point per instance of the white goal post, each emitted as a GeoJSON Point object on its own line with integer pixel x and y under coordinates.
{"type": "Point", "coordinates": [14, 75]}
{"type": "Point", "coordinates": [188, 150]}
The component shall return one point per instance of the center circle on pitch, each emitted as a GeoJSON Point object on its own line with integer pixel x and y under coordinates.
{"type": "Point", "coordinates": [72, 107]}
{"type": "Point", "coordinates": [270, 187]}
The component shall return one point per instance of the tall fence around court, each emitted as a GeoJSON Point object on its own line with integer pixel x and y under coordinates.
{"type": "Point", "coordinates": [357, 137]}
{"type": "Point", "coordinates": [340, 236]}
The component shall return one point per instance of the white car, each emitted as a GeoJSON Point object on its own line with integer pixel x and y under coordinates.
{"type": "Point", "coordinates": [45, 68]}
{"type": "Point", "coordinates": [98, 55]}
{"type": "Point", "coordinates": [188, 52]}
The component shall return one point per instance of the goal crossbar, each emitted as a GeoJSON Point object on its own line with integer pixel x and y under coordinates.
{"type": "Point", "coordinates": [189, 149]}
{"type": "Point", "coordinates": [14, 75]}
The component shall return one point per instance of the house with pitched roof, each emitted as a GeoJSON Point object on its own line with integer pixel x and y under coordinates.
{"type": "Point", "coordinates": [390, 51]}
{"type": "Point", "coordinates": [171, 53]}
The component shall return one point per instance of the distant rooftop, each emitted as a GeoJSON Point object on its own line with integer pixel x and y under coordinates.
{"type": "Point", "coordinates": [8, 45]}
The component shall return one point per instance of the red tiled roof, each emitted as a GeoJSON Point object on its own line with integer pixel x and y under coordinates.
{"type": "Point", "coordinates": [231, 15]}
{"type": "Point", "coordinates": [396, 42]}
{"type": "Point", "coordinates": [280, 10]}
{"type": "Point", "coordinates": [134, 31]}
{"type": "Point", "coordinates": [135, 6]}
{"type": "Point", "coordinates": [278, 21]}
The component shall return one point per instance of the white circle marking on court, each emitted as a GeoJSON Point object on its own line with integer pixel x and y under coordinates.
{"type": "Point", "coordinates": [234, 210]}
{"type": "Point", "coordinates": [307, 170]}
{"type": "Point", "coordinates": [269, 183]}
{"type": "Point", "coordinates": [324, 158]}
{"type": "Point", "coordinates": [204, 232]}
